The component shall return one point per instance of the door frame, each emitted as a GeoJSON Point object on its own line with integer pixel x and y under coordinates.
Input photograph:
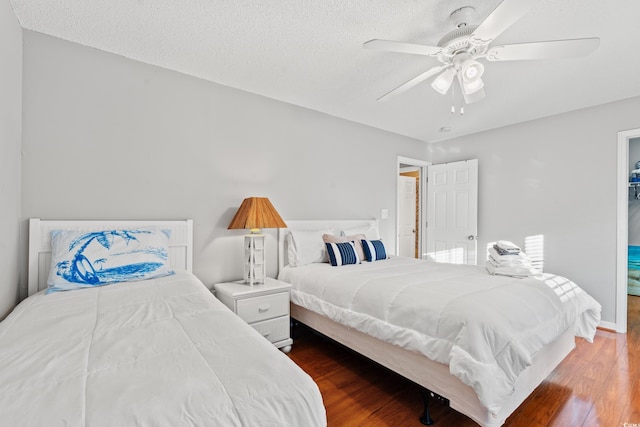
{"type": "Point", "coordinates": [622, 227]}
{"type": "Point", "coordinates": [422, 194]}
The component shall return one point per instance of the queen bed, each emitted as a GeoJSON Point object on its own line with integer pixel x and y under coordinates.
{"type": "Point", "coordinates": [159, 351]}
{"type": "Point", "coordinates": [478, 342]}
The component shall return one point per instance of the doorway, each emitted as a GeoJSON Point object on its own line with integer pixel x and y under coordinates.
{"type": "Point", "coordinates": [622, 228]}
{"type": "Point", "coordinates": [408, 212]}
{"type": "Point", "coordinates": [410, 208]}
{"type": "Point", "coordinates": [633, 254]}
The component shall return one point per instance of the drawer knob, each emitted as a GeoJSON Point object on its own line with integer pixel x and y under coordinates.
{"type": "Point", "coordinates": [264, 308]}
{"type": "Point", "coordinates": [266, 334]}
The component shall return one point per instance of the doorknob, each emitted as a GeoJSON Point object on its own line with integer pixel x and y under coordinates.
{"type": "Point", "coordinates": [471, 237]}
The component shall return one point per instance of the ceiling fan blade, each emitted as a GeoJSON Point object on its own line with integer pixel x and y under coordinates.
{"type": "Point", "coordinates": [411, 83]}
{"type": "Point", "coordinates": [544, 50]}
{"type": "Point", "coordinates": [502, 17]}
{"type": "Point", "coordinates": [401, 47]}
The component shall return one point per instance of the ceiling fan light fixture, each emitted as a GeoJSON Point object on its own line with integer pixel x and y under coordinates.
{"type": "Point", "coordinates": [472, 70]}
{"type": "Point", "coordinates": [470, 98]}
{"type": "Point", "coordinates": [442, 83]}
{"type": "Point", "coordinates": [458, 50]}
{"type": "Point", "coordinates": [469, 87]}
{"type": "Point", "coordinates": [472, 87]}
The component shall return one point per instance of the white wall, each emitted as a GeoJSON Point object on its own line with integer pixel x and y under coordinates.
{"type": "Point", "coordinates": [10, 128]}
{"type": "Point", "coordinates": [108, 137]}
{"type": "Point", "coordinates": [556, 177]}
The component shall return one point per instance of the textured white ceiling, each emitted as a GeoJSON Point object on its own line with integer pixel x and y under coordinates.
{"type": "Point", "coordinates": [309, 53]}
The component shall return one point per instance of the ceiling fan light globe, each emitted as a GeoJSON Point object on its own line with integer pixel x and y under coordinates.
{"type": "Point", "coordinates": [472, 70]}
{"type": "Point", "coordinates": [440, 87]}
{"type": "Point", "coordinates": [472, 87]}
{"type": "Point", "coordinates": [442, 83]}
{"type": "Point", "coordinates": [470, 98]}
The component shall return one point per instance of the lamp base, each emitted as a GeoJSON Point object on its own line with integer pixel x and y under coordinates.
{"type": "Point", "coordinates": [254, 265]}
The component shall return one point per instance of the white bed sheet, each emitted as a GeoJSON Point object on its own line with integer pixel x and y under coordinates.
{"type": "Point", "coordinates": [486, 328]}
{"type": "Point", "coordinates": [161, 352]}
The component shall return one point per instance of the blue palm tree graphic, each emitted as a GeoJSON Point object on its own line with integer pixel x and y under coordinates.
{"type": "Point", "coordinates": [100, 261]}
{"type": "Point", "coordinates": [81, 270]}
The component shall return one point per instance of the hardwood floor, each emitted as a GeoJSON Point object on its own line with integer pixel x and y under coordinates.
{"type": "Point", "coordinates": [596, 385]}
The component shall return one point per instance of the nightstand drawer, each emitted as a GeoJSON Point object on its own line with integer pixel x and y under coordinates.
{"type": "Point", "coordinates": [275, 329]}
{"type": "Point", "coordinates": [264, 307]}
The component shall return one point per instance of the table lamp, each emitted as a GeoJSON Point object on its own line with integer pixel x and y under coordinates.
{"type": "Point", "coordinates": [254, 214]}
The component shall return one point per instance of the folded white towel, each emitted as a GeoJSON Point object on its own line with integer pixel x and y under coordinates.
{"type": "Point", "coordinates": [511, 271]}
{"type": "Point", "coordinates": [508, 258]}
{"type": "Point", "coordinates": [518, 262]}
{"type": "Point", "coordinates": [508, 246]}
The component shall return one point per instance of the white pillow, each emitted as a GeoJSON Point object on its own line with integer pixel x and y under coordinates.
{"type": "Point", "coordinates": [83, 259]}
{"type": "Point", "coordinates": [371, 231]}
{"type": "Point", "coordinates": [306, 247]}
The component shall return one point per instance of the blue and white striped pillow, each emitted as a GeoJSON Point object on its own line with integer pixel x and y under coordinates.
{"type": "Point", "coordinates": [342, 253]}
{"type": "Point", "coordinates": [374, 250]}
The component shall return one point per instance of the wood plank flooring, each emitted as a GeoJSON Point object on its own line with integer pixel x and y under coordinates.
{"type": "Point", "coordinates": [596, 385]}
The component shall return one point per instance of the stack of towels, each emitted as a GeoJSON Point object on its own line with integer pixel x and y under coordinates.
{"type": "Point", "coordinates": [506, 259]}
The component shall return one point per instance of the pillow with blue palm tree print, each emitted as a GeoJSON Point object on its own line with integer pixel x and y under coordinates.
{"type": "Point", "coordinates": [84, 259]}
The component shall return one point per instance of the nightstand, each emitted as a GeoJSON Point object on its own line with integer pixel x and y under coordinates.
{"type": "Point", "coordinates": [264, 306]}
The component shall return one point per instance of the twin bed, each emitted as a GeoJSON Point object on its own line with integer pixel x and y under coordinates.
{"type": "Point", "coordinates": [164, 351]}
{"type": "Point", "coordinates": [156, 352]}
{"type": "Point", "coordinates": [479, 343]}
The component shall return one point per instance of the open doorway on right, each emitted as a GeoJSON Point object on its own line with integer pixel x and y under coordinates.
{"type": "Point", "coordinates": [410, 212]}
{"type": "Point", "coordinates": [633, 256]}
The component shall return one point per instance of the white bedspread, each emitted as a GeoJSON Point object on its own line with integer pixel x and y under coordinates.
{"type": "Point", "coordinates": [161, 352]}
{"type": "Point", "coordinates": [486, 328]}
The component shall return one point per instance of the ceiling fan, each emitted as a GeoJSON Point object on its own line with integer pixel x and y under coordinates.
{"type": "Point", "coordinates": [459, 50]}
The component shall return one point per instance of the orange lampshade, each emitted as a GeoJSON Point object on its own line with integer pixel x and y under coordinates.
{"type": "Point", "coordinates": [256, 213]}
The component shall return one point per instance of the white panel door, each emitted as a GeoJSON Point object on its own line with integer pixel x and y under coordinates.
{"type": "Point", "coordinates": [407, 216]}
{"type": "Point", "coordinates": [452, 212]}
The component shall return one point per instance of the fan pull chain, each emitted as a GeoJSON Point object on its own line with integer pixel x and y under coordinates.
{"type": "Point", "coordinates": [453, 99]}
{"type": "Point", "coordinates": [453, 102]}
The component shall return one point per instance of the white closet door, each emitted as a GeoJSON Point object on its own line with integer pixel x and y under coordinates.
{"type": "Point", "coordinates": [452, 212]}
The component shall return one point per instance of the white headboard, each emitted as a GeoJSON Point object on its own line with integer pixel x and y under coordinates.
{"type": "Point", "coordinates": [318, 225]}
{"type": "Point", "coordinates": [180, 243]}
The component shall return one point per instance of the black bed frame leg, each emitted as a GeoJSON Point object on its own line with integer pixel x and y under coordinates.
{"type": "Point", "coordinates": [426, 416]}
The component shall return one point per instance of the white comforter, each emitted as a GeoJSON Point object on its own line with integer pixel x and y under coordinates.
{"type": "Point", "coordinates": [486, 328]}
{"type": "Point", "coordinates": [161, 352]}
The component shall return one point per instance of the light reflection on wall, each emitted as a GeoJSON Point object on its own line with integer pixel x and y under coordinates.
{"type": "Point", "coordinates": [453, 256]}
{"type": "Point", "coordinates": [534, 248]}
